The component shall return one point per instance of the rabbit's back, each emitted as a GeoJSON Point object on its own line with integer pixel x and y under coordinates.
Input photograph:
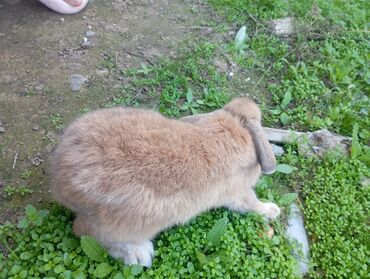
{"type": "Point", "coordinates": [109, 154]}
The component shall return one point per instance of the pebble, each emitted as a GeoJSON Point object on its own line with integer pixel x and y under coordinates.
{"type": "Point", "coordinates": [102, 72]}
{"type": "Point", "coordinates": [296, 230]}
{"type": "Point", "coordinates": [36, 128]}
{"type": "Point", "coordinates": [86, 44]}
{"type": "Point", "coordinates": [90, 34]}
{"type": "Point", "coordinates": [278, 150]}
{"type": "Point", "coordinates": [283, 27]}
{"type": "Point", "coordinates": [39, 87]}
{"type": "Point", "coordinates": [37, 160]}
{"type": "Point", "coordinates": [77, 81]}
{"type": "Point", "coordinates": [2, 129]}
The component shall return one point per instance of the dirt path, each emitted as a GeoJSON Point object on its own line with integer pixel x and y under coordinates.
{"type": "Point", "coordinates": [40, 50]}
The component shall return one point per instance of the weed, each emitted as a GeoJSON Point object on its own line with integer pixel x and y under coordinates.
{"type": "Point", "coordinates": [26, 174]}
{"type": "Point", "coordinates": [187, 84]}
{"type": "Point", "coordinates": [109, 62]}
{"type": "Point", "coordinates": [21, 190]}
{"type": "Point", "coordinates": [57, 121]}
{"type": "Point", "coordinates": [9, 190]}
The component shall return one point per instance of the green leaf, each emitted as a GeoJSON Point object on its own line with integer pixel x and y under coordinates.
{"type": "Point", "coordinates": [78, 274]}
{"type": "Point", "coordinates": [287, 99]}
{"type": "Point", "coordinates": [288, 198]}
{"type": "Point", "coordinates": [40, 217]}
{"type": "Point", "coordinates": [23, 224]}
{"type": "Point", "coordinates": [30, 210]}
{"type": "Point", "coordinates": [67, 274]}
{"type": "Point", "coordinates": [276, 111]}
{"type": "Point", "coordinates": [283, 168]}
{"type": "Point", "coordinates": [356, 149]}
{"type": "Point", "coordinates": [119, 275]}
{"type": "Point", "coordinates": [189, 96]}
{"type": "Point", "coordinates": [103, 270]}
{"type": "Point", "coordinates": [71, 243]}
{"type": "Point", "coordinates": [275, 240]}
{"type": "Point", "coordinates": [240, 38]}
{"type": "Point", "coordinates": [217, 231]}
{"type": "Point", "coordinates": [92, 248]}
{"type": "Point", "coordinates": [201, 257]}
{"type": "Point", "coordinates": [136, 269]}
{"type": "Point", "coordinates": [284, 118]}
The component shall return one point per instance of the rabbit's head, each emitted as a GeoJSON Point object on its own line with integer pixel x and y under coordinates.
{"type": "Point", "coordinates": [249, 115]}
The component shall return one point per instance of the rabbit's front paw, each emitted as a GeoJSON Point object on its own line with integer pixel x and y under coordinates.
{"type": "Point", "coordinates": [270, 210]}
{"type": "Point", "coordinates": [140, 253]}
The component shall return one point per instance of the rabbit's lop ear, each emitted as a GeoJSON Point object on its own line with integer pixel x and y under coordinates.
{"type": "Point", "coordinates": [265, 154]}
{"type": "Point", "coordinates": [249, 115]}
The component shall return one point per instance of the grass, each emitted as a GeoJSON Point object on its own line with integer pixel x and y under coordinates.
{"type": "Point", "coordinates": [318, 78]}
{"type": "Point", "coordinates": [186, 85]}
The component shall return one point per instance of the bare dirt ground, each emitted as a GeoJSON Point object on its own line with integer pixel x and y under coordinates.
{"type": "Point", "coordinates": [40, 50]}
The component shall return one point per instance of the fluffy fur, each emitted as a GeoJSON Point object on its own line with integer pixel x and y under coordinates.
{"type": "Point", "coordinates": [129, 173]}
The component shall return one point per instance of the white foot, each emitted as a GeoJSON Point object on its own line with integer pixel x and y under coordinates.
{"type": "Point", "coordinates": [140, 253]}
{"type": "Point", "coordinates": [269, 210]}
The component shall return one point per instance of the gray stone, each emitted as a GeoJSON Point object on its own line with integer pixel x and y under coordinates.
{"type": "Point", "coordinates": [322, 141]}
{"type": "Point", "coordinates": [278, 150]}
{"type": "Point", "coordinates": [36, 128]}
{"type": "Point", "coordinates": [90, 34]}
{"type": "Point", "coordinates": [86, 44]}
{"type": "Point", "coordinates": [2, 128]}
{"type": "Point", "coordinates": [77, 81]}
{"type": "Point", "coordinates": [283, 27]}
{"type": "Point", "coordinates": [39, 87]}
{"type": "Point", "coordinates": [297, 232]}
{"type": "Point", "coordinates": [37, 160]}
{"type": "Point", "coordinates": [102, 72]}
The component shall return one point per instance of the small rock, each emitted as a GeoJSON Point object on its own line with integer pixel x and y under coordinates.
{"type": "Point", "coordinates": [2, 128]}
{"type": "Point", "coordinates": [36, 128]}
{"type": "Point", "coordinates": [296, 230]}
{"type": "Point", "coordinates": [86, 43]}
{"type": "Point", "coordinates": [37, 160]}
{"type": "Point", "coordinates": [84, 17]}
{"type": "Point", "coordinates": [76, 81]}
{"type": "Point", "coordinates": [278, 150]}
{"type": "Point", "coordinates": [62, 19]}
{"type": "Point", "coordinates": [102, 72]}
{"type": "Point", "coordinates": [365, 181]}
{"type": "Point", "coordinates": [90, 34]}
{"type": "Point", "coordinates": [321, 141]}
{"type": "Point", "coordinates": [39, 87]}
{"type": "Point", "coordinates": [283, 27]}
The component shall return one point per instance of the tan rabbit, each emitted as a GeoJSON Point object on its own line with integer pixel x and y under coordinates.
{"type": "Point", "coordinates": [129, 174]}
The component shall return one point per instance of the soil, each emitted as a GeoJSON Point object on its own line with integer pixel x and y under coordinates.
{"type": "Point", "coordinates": [40, 50]}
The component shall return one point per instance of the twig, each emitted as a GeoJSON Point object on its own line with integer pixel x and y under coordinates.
{"type": "Point", "coordinates": [15, 160]}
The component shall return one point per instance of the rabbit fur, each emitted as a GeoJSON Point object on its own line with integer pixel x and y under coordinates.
{"type": "Point", "coordinates": [129, 174]}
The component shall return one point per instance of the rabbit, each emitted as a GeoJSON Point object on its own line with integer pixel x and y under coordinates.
{"type": "Point", "coordinates": [128, 174]}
